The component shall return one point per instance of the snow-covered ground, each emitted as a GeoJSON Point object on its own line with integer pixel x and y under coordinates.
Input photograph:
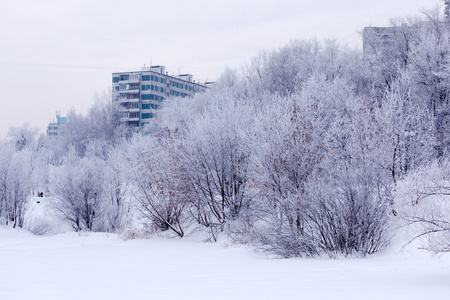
{"type": "Point", "coordinates": [104, 266]}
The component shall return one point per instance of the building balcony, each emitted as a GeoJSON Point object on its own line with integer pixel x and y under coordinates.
{"type": "Point", "coordinates": [129, 78]}
{"type": "Point", "coordinates": [133, 90]}
{"type": "Point", "coordinates": [133, 80]}
{"type": "Point", "coordinates": [132, 109]}
{"type": "Point", "coordinates": [128, 119]}
{"type": "Point", "coordinates": [128, 100]}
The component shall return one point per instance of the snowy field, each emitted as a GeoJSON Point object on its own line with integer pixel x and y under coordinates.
{"type": "Point", "coordinates": [104, 266]}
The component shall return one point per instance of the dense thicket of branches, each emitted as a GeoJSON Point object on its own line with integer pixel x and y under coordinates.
{"type": "Point", "coordinates": [299, 154]}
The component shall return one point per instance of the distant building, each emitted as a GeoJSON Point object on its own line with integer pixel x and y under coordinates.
{"type": "Point", "coordinates": [140, 93]}
{"type": "Point", "coordinates": [386, 40]}
{"type": "Point", "coordinates": [392, 41]}
{"type": "Point", "coordinates": [57, 127]}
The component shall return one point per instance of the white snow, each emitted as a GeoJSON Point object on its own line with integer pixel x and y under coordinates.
{"type": "Point", "coordinates": [103, 266]}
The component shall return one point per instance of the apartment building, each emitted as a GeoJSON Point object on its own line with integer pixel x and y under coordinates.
{"type": "Point", "coordinates": [140, 93]}
{"type": "Point", "coordinates": [387, 40]}
{"type": "Point", "coordinates": [57, 127]}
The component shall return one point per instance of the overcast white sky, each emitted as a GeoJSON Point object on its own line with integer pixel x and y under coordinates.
{"type": "Point", "coordinates": [55, 54]}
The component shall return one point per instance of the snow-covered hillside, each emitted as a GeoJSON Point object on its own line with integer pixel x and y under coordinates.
{"type": "Point", "coordinates": [103, 266]}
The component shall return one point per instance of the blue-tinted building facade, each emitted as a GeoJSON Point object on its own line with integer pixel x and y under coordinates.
{"type": "Point", "coordinates": [141, 93]}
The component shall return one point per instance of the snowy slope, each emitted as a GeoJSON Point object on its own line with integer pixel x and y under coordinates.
{"type": "Point", "coordinates": [103, 266]}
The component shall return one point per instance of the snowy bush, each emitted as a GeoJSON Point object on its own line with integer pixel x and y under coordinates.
{"type": "Point", "coordinates": [424, 202]}
{"type": "Point", "coordinates": [79, 187]}
{"type": "Point", "coordinates": [157, 186]}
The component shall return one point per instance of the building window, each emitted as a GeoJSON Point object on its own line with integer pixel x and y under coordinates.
{"type": "Point", "coordinates": [159, 98]}
{"type": "Point", "coordinates": [147, 115]}
{"type": "Point", "coordinates": [146, 106]}
{"type": "Point", "coordinates": [145, 87]}
{"type": "Point", "coordinates": [146, 96]}
{"type": "Point", "coordinates": [145, 77]}
{"type": "Point", "coordinates": [129, 96]}
{"type": "Point", "coordinates": [116, 79]}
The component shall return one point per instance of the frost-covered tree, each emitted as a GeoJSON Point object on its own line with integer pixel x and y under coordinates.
{"type": "Point", "coordinates": [117, 183]}
{"type": "Point", "coordinates": [23, 137]}
{"type": "Point", "coordinates": [6, 153]}
{"type": "Point", "coordinates": [429, 67]}
{"type": "Point", "coordinates": [407, 126]}
{"type": "Point", "coordinates": [291, 148]}
{"type": "Point", "coordinates": [211, 145]}
{"type": "Point", "coordinates": [352, 199]}
{"type": "Point", "coordinates": [219, 165]}
{"type": "Point", "coordinates": [158, 185]}
{"type": "Point", "coordinates": [15, 184]}
{"type": "Point", "coordinates": [79, 187]}
{"type": "Point", "coordinates": [20, 185]}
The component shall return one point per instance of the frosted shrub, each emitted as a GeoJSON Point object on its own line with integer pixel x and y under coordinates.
{"type": "Point", "coordinates": [423, 198]}
{"type": "Point", "coordinates": [78, 186]}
